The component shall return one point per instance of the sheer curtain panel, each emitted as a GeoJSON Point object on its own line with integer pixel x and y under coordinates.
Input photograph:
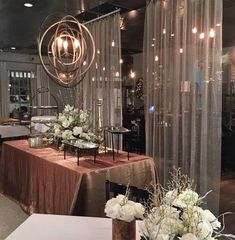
{"type": "Point", "coordinates": [102, 84]}
{"type": "Point", "coordinates": [182, 58]}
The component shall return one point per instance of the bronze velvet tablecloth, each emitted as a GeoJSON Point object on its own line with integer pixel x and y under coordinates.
{"type": "Point", "coordinates": [43, 182]}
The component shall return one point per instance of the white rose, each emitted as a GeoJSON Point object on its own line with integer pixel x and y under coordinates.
{"type": "Point", "coordinates": [189, 236]}
{"type": "Point", "coordinates": [77, 131]}
{"type": "Point", "coordinates": [139, 210]}
{"type": "Point", "coordinates": [127, 213]}
{"type": "Point", "coordinates": [204, 230]}
{"type": "Point", "coordinates": [170, 197]}
{"type": "Point", "coordinates": [210, 217]}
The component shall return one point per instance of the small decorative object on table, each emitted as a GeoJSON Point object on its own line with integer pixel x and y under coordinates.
{"type": "Point", "coordinates": [124, 213]}
{"type": "Point", "coordinates": [81, 145]}
{"type": "Point", "coordinates": [72, 124]}
{"type": "Point", "coordinates": [176, 214]}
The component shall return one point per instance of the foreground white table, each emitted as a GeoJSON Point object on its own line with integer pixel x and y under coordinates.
{"type": "Point", "coordinates": [54, 227]}
{"type": "Point", "coordinates": [8, 131]}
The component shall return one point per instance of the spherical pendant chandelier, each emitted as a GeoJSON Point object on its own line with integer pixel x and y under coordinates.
{"type": "Point", "coordinates": [70, 51]}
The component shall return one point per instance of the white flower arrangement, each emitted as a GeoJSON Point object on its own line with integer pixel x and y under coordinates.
{"type": "Point", "coordinates": [123, 209]}
{"type": "Point", "coordinates": [72, 124]}
{"type": "Point", "coordinates": [176, 214]}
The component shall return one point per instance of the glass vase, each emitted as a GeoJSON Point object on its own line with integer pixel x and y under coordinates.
{"type": "Point", "coordinates": [123, 230]}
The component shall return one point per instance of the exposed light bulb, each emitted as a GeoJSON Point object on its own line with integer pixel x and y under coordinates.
{"type": "Point", "coordinates": [103, 68]}
{"type": "Point", "coordinates": [181, 50]}
{"type": "Point", "coordinates": [156, 58]}
{"type": "Point", "coordinates": [172, 34]}
{"type": "Point", "coordinates": [164, 31]}
{"type": "Point", "coordinates": [202, 35]}
{"type": "Point", "coordinates": [76, 43]}
{"type": "Point", "coordinates": [93, 79]}
{"type": "Point", "coordinates": [98, 51]}
{"type": "Point", "coordinates": [65, 44]}
{"type": "Point", "coordinates": [59, 42]}
{"type": "Point", "coordinates": [153, 45]}
{"type": "Point", "coordinates": [218, 24]}
{"type": "Point", "coordinates": [121, 61]}
{"type": "Point", "coordinates": [117, 74]}
{"type": "Point", "coordinates": [84, 63]}
{"type": "Point", "coordinates": [113, 44]}
{"type": "Point", "coordinates": [13, 48]}
{"type": "Point", "coordinates": [194, 30]}
{"type": "Point", "coordinates": [96, 65]}
{"type": "Point", "coordinates": [212, 33]}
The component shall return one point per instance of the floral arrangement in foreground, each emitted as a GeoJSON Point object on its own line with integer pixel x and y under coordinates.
{"type": "Point", "coordinates": [121, 208]}
{"type": "Point", "coordinates": [176, 213]}
{"type": "Point", "coordinates": [72, 124]}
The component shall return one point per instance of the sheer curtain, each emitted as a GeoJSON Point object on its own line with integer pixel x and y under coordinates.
{"type": "Point", "coordinates": [103, 83]}
{"type": "Point", "coordinates": [4, 93]}
{"type": "Point", "coordinates": [182, 58]}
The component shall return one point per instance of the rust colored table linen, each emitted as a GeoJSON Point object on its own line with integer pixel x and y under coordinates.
{"type": "Point", "coordinates": [43, 182]}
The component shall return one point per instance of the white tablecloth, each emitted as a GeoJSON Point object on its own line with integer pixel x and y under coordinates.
{"type": "Point", "coordinates": [7, 131]}
{"type": "Point", "coordinates": [54, 227]}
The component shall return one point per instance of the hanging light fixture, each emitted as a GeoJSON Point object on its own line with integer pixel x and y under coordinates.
{"type": "Point", "coordinates": [70, 50]}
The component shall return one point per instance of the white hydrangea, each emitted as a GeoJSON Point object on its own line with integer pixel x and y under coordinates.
{"type": "Point", "coordinates": [186, 198]}
{"type": "Point", "coordinates": [67, 135]}
{"type": "Point", "coordinates": [189, 236]}
{"type": "Point", "coordinates": [123, 209]}
{"type": "Point", "coordinates": [77, 131]}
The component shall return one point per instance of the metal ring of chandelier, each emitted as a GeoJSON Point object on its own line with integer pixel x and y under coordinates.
{"type": "Point", "coordinates": [70, 51]}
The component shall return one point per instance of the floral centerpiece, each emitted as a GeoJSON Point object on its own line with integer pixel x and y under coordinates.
{"type": "Point", "coordinates": [124, 212]}
{"type": "Point", "coordinates": [72, 124]}
{"type": "Point", "coordinates": [176, 213]}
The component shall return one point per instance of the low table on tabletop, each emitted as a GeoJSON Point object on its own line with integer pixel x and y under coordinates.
{"type": "Point", "coordinates": [42, 181]}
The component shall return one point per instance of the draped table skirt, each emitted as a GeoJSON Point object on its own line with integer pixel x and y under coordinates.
{"type": "Point", "coordinates": [43, 182]}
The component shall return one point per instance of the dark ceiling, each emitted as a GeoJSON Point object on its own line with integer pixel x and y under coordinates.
{"type": "Point", "coordinates": [19, 26]}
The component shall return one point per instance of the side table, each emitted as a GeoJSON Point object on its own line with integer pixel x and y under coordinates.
{"type": "Point", "coordinates": [116, 131]}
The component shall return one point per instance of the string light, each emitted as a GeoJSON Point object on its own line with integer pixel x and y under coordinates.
{"type": "Point", "coordinates": [113, 44]}
{"type": "Point", "coordinates": [194, 30]}
{"type": "Point", "coordinates": [132, 74]}
{"type": "Point", "coordinates": [218, 24]}
{"type": "Point", "coordinates": [202, 35]}
{"type": "Point", "coordinates": [93, 79]}
{"type": "Point", "coordinates": [103, 68]}
{"type": "Point", "coordinates": [84, 63]}
{"type": "Point", "coordinates": [164, 31]}
{"type": "Point", "coordinates": [212, 33]}
{"type": "Point", "coordinates": [98, 51]}
{"type": "Point", "coordinates": [117, 74]}
{"type": "Point", "coordinates": [156, 58]}
{"type": "Point", "coordinates": [172, 34]}
{"type": "Point", "coordinates": [121, 61]}
{"type": "Point", "coordinates": [181, 50]}
{"type": "Point", "coordinates": [152, 45]}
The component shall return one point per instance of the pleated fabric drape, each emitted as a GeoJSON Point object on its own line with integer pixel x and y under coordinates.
{"type": "Point", "coordinates": [102, 83]}
{"type": "Point", "coordinates": [182, 62]}
{"type": "Point", "coordinates": [4, 93]}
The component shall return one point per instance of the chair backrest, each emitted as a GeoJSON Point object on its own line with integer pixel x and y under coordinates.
{"type": "Point", "coordinates": [135, 194]}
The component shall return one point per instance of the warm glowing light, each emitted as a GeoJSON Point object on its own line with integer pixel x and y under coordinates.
{"type": "Point", "coordinates": [202, 35]}
{"type": "Point", "coordinates": [212, 33]}
{"type": "Point", "coordinates": [96, 65]}
{"type": "Point", "coordinates": [13, 48]}
{"type": "Point", "coordinates": [59, 42]}
{"type": "Point", "coordinates": [76, 43]}
{"type": "Point", "coordinates": [84, 63]}
{"type": "Point", "coordinates": [218, 24]}
{"type": "Point", "coordinates": [103, 68]}
{"type": "Point", "coordinates": [154, 39]}
{"type": "Point", "coordinates": [164, 31]}
{"type": "Point", "coordinates": [153, 45]}
{"type": "Point", "coordinates": [133, 13]}
{"type": "Point", "coordinates": [93, 79]}
{"type": "Point", "coordinates": [194, 30]}
{"type": "Point", "coordinates": [117, 74]}
{"type": "Point", "coordinates": [98, 51]}
{"type": "Point", "coordinates": [28, 5]}
{"type": "Point", "coordinates": [172, 34]}
{"type": "Point", "coordinates": [156, 58]}
{"type": "Point", "coordinates": [181, 50]}
{"type": "Point", "coordinates": [132, 74]}
{"type": "Point", "coordinates": [121, 61]}
{"type": "Point", "coordinates": [65, 44]}
{"type": "Point", "coordinates": [113, 44]}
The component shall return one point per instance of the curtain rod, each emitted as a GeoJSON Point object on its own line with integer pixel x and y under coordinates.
{"type": "Point", "coordinates": [103, 16]}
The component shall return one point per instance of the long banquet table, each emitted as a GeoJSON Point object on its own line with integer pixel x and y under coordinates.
{"type": "Point", "coordinates": [43, 182]}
